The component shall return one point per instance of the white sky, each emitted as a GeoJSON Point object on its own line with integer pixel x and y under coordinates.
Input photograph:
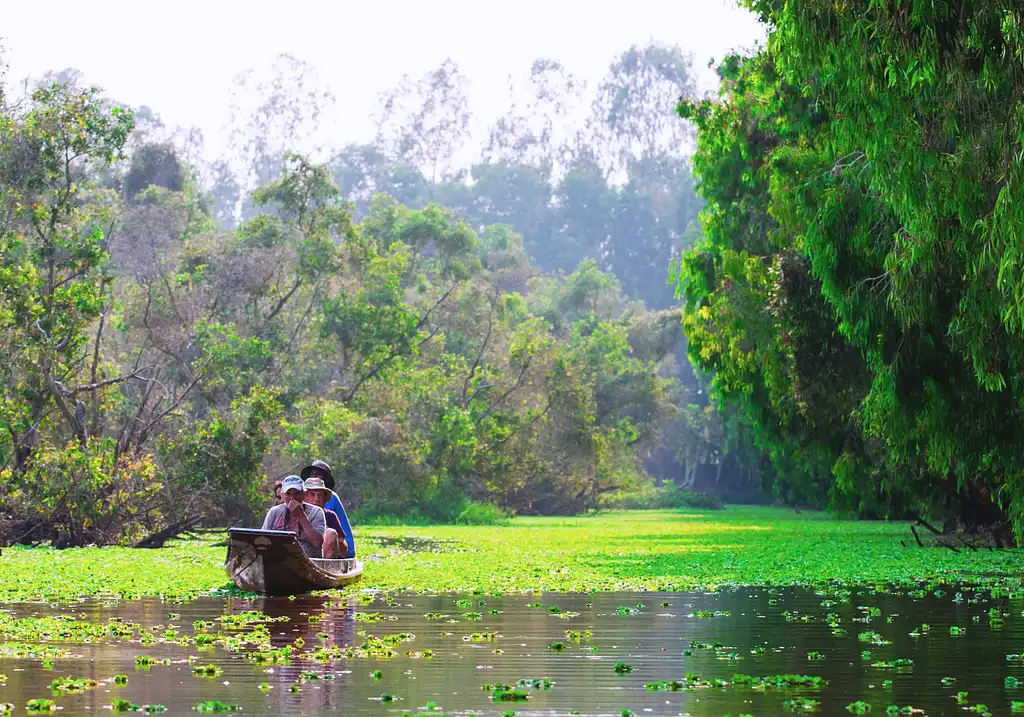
{"type": "Point", "coordinates": [180, 57]}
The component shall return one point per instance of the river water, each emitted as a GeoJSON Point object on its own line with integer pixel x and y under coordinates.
{"type": "Point", "coordinates": [661, 636]}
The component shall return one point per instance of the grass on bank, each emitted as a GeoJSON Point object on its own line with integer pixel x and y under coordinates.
{"type": "Point", "coordinates": [625, 550]}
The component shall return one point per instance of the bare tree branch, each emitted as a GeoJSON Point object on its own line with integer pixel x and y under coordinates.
{"type": "Point", "coordinates": [110, 381]}
{"type": "Point", "coordinates": [93, 424]}
{"type": "Point", "coordinates": [479, 354]}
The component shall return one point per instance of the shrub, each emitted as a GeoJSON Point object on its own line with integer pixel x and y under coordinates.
{"type": "Point", "coordinates": [460, 512]}
{"type": "Point", "coordinates": [220, 460]}
{"type": "Point", "coordinates": [77, 495]}
{"type": "Point", "coordinates": [651, 497]}
{"type": "Point", "coordinates": [474, 513]}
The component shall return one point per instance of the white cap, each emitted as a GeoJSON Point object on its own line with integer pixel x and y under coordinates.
{"type": "Point", "coordinates": [291, 483]}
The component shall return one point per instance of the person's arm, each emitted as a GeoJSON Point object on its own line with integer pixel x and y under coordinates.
{"type": "Point", "coordinates": [334, 522]}
{"type": "Point", "coordinates": [334, 503]}
{"type": "Point", "coordinates": [312, 530]}
{"type": "Point", "coordinates": [346, 528]}
{"type": "Point", "coordinates": [267, 522]}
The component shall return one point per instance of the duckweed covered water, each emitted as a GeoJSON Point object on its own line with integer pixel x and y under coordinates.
{"type": "Point", "coordinates": [616, 551]}
{"type": "Point", "coordinates": [758, 651]}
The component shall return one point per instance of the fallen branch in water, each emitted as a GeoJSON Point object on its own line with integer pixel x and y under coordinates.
{"type": "Point", "coordinates": [157, 539]}
{"type": "Point", "coordinates": [925, 524]}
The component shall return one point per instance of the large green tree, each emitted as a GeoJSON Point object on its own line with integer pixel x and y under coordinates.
{"type": "Point", "coordinates": [878, 146]}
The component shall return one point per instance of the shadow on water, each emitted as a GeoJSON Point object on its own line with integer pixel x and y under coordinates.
{"type": "Point", "coordinates": [456, 644]}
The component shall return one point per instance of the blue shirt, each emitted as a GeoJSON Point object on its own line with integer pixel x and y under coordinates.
{"type": "Point", "coordinates": [335, 504]}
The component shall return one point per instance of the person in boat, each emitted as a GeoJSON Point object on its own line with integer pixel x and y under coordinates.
{"type": "Point", "coordinates": [319, 494]}
{"type": "Point", "coordinates": [296, 515]}
{"type": "Point", "coordinates": [278, 497]}
{"type": "Point", "coordinates": [320, 469]}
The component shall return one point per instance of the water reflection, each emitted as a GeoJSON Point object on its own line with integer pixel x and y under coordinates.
{"type": "Point", "coordinates": [662, 636]}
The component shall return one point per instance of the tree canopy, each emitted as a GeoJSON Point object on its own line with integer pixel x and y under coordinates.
{"type": "Point", "coordinates": [857, 290]}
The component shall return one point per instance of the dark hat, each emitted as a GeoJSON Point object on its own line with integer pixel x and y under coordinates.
{"type": "Point", "coordinates": [328, 481]}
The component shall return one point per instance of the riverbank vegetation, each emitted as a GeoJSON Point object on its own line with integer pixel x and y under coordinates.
{"type": "Point", "coordinates": [635, 550]}
{"type": "Point", "coordinates": [862, 176]}
{"type": "Point", "coordinates": [459, 348]}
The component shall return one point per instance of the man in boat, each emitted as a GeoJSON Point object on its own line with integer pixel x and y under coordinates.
{"type": "Point", "coordinates": [278, 497]}
{"type": "Point", "coordinates": [320, 469]}
{"type": "Point", "coordinates": [319, 494]}
{"type": "Point", "coordinates": [304, 519]}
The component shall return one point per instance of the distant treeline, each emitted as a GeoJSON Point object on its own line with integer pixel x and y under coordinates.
{"type": "Point", "coordinates": [458, 344]}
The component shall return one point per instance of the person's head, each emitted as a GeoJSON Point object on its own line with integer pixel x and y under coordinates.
{"type": "Point", "coordinates": [319, 469]}
{"type": "Point", "coordinates": [316, 492]}
{"type": "Point", "coordinates": [292, 489]}
{"type": "Point", "coordinates": [278, 498]}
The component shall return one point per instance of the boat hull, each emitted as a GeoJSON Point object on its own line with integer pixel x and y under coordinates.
{"type": "Point", "coordinates": [271, 562]}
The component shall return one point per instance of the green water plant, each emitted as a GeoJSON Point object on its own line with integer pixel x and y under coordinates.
{"type": "Point", "coordinates": [903, 663]}
{"type": "Point", "coordinates": [541, 684]}
{"type": "Point", "coordinates": [801, 704]}
{"type": "Point", "coordinates": [506, 693]}
{"type": "Point", "coordinates": [69, 685]}
{"type": "Point", "coordinates": [373, 616]}
{"type": "Point", "coordinates": [210, 671]}
{"type": "Point", "coordinates": [215, 706]}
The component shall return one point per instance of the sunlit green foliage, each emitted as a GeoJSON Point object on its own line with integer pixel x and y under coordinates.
{"type": "Point", "coordinates": [857, 290]}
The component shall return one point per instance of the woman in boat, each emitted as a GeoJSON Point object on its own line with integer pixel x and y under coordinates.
{"type": "Point", "coordinates": [296, 515]}
{"type": "Point", "coordinates": [320, 469]}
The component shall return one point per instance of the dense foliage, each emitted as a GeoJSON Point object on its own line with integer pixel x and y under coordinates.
{"type": "Point", "coordinates": [455, 351]}
{"type": "Point", "coordinates": [857, 292]}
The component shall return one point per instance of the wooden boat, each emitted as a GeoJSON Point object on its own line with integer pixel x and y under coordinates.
{"type": "Point", "coordinates": [271, 562]}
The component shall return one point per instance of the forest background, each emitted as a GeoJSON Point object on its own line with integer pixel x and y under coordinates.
{"type": "Point", "coordinates": [461, 343]}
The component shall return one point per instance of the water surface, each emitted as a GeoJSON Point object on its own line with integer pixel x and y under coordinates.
{"type": "Point", "coordinates": [661, 636]}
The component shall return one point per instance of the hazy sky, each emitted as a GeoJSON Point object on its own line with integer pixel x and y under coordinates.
{"type": "Point", "coordinates": [180, 57]}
